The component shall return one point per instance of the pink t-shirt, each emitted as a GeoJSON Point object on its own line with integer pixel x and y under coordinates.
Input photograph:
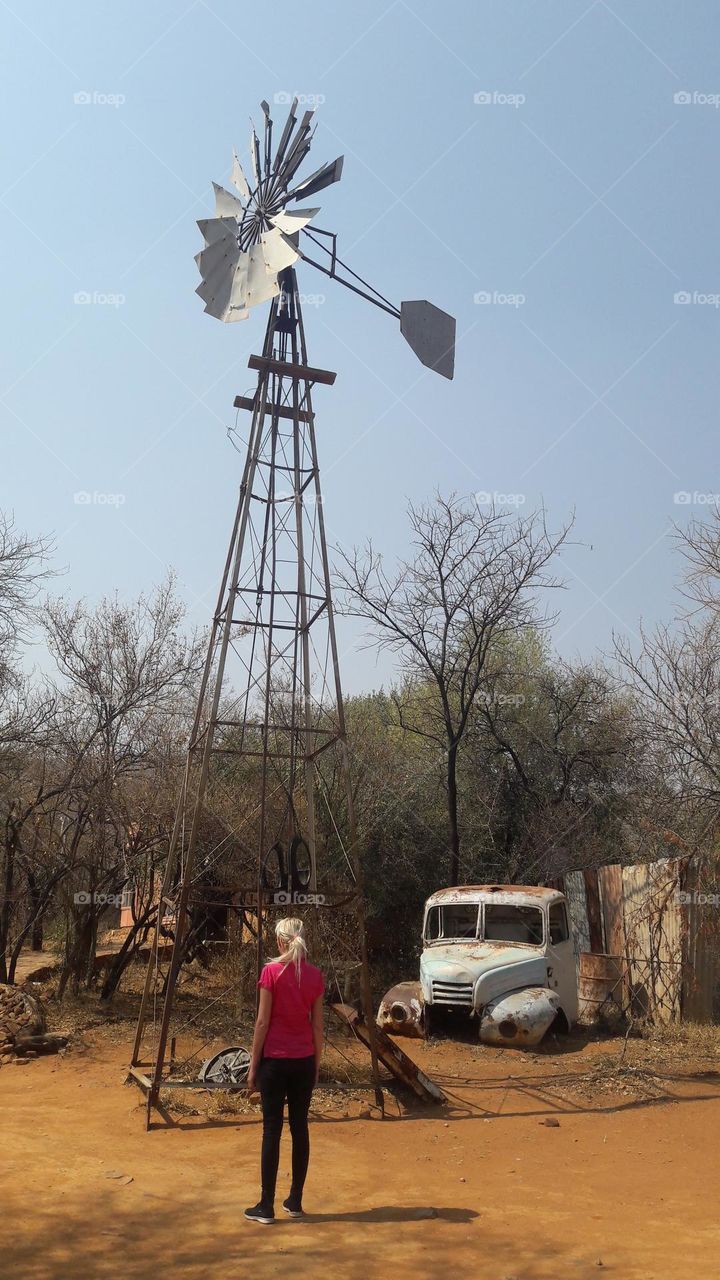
{"type": "Point", "coordinates": [290, 1031]}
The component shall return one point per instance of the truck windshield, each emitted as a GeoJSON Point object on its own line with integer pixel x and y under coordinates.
{"type": "Point", "coordinates": [506, 923]}
{"type": "Point", "coordinates": [455, 920]}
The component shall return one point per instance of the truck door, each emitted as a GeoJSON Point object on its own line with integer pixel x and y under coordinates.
{"type": "Point", "coordinates": [561, 960]}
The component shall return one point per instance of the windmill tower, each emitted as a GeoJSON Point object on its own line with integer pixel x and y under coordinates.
{"type": "Point", "coordinates": [270, 702]}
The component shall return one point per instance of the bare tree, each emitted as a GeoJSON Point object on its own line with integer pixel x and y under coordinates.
{"type": "Point", "coordinates": [23, 567]}
{"type": "Point", "coordinates": [123, 671]}
{"type": "Point", "coordinates": [23, 713]}
{"type": "Point", "coordinates": [473, 581]}
{"type": "Point", "coordinates": [676, 672]}
{"type": "Point", "coordinates": [699, 544]}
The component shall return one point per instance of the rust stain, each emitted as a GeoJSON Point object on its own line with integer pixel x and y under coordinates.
{"type": "Point", "coordinates": [533, 890]}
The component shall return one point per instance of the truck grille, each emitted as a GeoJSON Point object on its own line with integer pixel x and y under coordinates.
{"type": "Point", "coordinates": [459, 993]}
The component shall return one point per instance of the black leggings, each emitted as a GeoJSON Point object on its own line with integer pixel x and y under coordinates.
{"type": "Point", "coordinates": [294, 1079]}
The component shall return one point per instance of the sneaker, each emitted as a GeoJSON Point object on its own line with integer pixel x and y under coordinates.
{"type": "Point", "coordinates": [260, 1214]}
{"type": "Point", "coordinates": [293, 1208]}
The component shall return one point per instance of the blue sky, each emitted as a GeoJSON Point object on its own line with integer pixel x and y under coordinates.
{"type": "Point", "coordinates": [558, 160]}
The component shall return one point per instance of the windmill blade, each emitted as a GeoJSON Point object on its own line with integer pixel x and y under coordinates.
{"type": "Point", "coordinates": [238, 304]}
{"type": "Point", "coordinates": [261, 285]}
{"type": "Point", "coordinates": [237, 177]}
{"type": "Point", "coordinates": [214, 229]}
{"type": "Point", "coordinates": [431, 334]}
{"type": "Point", "coordinates": [224, 289]}
{"type": "Point", "coordinates": [293, 164]}
{"type": "Point", "coordinates": [302, 132]}
{"type": "Point", "coordinates": [317, 181]}
{"type": "Point", "coordinates": [215, 288]}
{"type": "Point", "coordinates": [286, 134]}
{"type": "Point", "coordinates": [278, 251]}
{"type": "Point", "coordinates": [222, 254]}
{"type": "Point", "coordinates": [255, 154]}
{"type": "Point", "coordinates": [226, 204]}
{"type": "Point", "coordinates": [268, 136]}
{"type": "Point", "coordinates": [293, 220]}
{"type": "Point", "coordinates": [301, 142]}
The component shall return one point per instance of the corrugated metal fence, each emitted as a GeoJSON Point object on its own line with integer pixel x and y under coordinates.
{"type": "Point", "coordinates": [656, 916]}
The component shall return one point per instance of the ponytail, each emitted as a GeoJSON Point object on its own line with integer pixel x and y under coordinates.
{"type": "Point", "coordinates": [292, 932]}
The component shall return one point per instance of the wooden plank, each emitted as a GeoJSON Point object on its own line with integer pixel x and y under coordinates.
{"type": "Point", "coordinates": [594, 916]}
{"type": "Point", "coordinates": [146, 1083]}
{"type": "Point", "coordinates": [391, 1055]}
{"type": "Point", "coordinates": [280, 410]}
{"type": "Point", "coordinates": [652, 930]}
{"type": "Point", "coordinates": [701, 949]}
{"type": "Point", "coordinates": [577, 907]}
{"type": "Point", "coordinates": [611, 893]}
{"type": "Point", "coordinates": [301, 372]}
{"type": "Point", "coordinates": [202, 1085]}
{"type": "Point", "coordinates": [140, 1078]}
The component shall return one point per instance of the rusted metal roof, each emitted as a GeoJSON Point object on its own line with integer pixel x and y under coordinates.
{"type": "Point", "coordinates": [465, 892]}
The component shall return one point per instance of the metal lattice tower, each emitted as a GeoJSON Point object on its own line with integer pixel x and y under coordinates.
{"type": "Point", "coordinates": [273, 642]}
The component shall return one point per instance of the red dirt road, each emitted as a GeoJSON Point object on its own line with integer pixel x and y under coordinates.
{"type": "Point", "coordinates": [623, 1187]}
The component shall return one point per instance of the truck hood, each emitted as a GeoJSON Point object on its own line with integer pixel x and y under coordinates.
{"type": "Point", "coordinates": [489, 969]}
{"type": "Point", "coordinates": [467, 961]}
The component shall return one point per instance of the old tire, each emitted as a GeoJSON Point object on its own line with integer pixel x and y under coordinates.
{"type": "Point", "coordinates": [300, 865]}
{"type": "Point", "coordinates": [274, 873]}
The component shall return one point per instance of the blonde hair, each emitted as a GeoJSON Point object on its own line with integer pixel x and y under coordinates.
{"type": "Point", "coordinates": [292, 933]}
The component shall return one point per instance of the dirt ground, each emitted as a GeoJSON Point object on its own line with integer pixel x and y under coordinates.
{"type": "Point", "coordinates": [624, 1184]}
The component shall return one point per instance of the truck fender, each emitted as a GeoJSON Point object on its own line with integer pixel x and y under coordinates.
{"type": "Point", "coordinates": [519, 1019]}
{"type": "Point", "coordinates": [401, 1010]}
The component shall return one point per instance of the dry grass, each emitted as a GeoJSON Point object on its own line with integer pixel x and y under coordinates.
{"type": "Point", "coordinates": [687, 1040]}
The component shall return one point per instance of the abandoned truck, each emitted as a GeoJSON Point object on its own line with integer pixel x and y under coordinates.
{"type": "Point", "coordinates": [501, 953]}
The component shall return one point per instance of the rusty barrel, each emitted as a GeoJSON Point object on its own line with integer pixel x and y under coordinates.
{"type": "Point", "coordinates": [601, 988]}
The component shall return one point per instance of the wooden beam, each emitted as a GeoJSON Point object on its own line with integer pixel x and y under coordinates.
{"type": "Point", "coordinates": [300, 372]}
{"type": "Point", "coordinates": [140, 1078]}
{"type": "Point", "coordinates": [391, 1055]}
{"type": "Point", "coordinates": [280, 410]}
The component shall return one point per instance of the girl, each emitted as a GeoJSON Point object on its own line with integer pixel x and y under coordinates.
{"type": "Point", "coordinates": [285, 1062]}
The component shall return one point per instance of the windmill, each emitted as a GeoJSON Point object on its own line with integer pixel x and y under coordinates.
{"type": "Point", "coordinates": [270, 704]}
